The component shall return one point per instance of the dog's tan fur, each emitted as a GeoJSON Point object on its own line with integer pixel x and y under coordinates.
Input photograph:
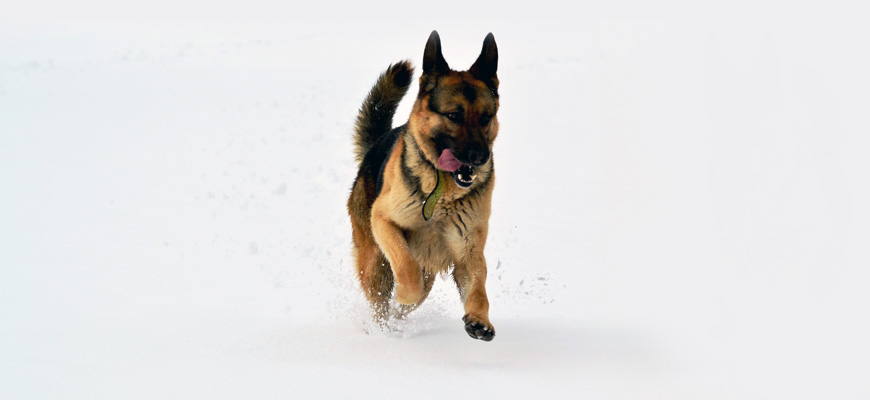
{"type": "Point", "coordinates": [395, 247]}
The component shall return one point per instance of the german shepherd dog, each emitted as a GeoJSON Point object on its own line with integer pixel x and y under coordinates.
{"type": "Point", "coordinates": [421, 200]}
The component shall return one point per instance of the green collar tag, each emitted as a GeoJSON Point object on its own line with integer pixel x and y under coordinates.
{"type": "Point", "coordinates": [432, 199]}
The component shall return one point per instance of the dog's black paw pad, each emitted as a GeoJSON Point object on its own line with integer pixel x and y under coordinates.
{"type": "Point", "coordinates": [478, 331]}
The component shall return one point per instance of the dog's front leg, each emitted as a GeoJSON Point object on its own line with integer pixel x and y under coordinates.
{"type": "Point", "coordinates": [391, 240]}
{"type": "Point", "coordinates": [470, 275]}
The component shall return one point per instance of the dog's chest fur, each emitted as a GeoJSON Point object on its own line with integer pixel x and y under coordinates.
{"type": "Point", "coordinates": [455, 220]}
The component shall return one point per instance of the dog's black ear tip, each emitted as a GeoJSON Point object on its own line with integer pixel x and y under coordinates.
{"type": "Point", "coordinates": [490, 40]}
{"type": "Point", "coordinates": [433, 60]}
{"type": "Point", "coordinates": [434, 41]}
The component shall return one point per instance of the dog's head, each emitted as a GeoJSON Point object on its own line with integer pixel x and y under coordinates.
{"type": "Point", "coordinates": [454, 119]}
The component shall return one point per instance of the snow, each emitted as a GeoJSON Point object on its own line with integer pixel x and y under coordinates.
{"type": "Point", "coordinates": [678, 212]}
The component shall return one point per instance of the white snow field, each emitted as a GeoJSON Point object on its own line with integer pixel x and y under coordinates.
{"type": "Point", "coordinates": [681, 209]}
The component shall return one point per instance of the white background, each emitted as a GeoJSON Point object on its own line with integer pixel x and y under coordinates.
{"type": "Point", "coordinates": [681, 207]}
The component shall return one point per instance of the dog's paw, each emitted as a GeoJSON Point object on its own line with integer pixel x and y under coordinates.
{"type": "Point", "coordinates": [409, 294]}
{"type": "Point", "coordinates": [478, 329]}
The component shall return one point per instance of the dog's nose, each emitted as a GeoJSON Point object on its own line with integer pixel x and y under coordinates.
{"type": "Point", "coordinates": [478, 157]}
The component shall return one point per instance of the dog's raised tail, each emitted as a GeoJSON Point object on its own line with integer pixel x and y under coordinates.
{"type": "Point", "coordinates": [375, 117]}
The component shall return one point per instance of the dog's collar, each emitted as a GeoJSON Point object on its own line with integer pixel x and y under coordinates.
{"type": "Point", "coordinates": [432, 199]}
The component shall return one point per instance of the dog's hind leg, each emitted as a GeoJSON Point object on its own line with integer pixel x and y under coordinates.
{"type": "Point", "coordinates": [376, 278]}
{"type": "Point", "coordinates": [373, 269]}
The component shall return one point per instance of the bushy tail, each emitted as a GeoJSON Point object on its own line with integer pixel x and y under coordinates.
{"type": "Point", "coordinates": [375, 117]}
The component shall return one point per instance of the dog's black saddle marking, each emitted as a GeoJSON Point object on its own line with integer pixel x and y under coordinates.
{"type": "Point", "coordinates": [375, 160]}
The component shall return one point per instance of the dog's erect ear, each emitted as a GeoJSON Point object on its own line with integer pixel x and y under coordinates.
{"type": "Point", "coordinates": [433, 60]}
{"type": "Point", "coordinates": [487, 63]}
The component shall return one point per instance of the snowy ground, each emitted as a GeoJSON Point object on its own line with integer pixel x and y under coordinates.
{"type": "Point", "coordinates": [680, 211]}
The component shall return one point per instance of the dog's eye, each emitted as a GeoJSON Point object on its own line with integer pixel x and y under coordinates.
{"type": "Point", "coordinates": [485, 119]}
{"type": "Point", "coordinates": [453, 116]}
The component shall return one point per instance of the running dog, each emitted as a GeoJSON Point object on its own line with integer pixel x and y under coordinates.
{"type": "Point", "coordinates": [420, 203]}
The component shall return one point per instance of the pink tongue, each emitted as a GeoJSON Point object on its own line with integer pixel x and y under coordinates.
{"type": "Point", "coordinates": [447, 162]}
